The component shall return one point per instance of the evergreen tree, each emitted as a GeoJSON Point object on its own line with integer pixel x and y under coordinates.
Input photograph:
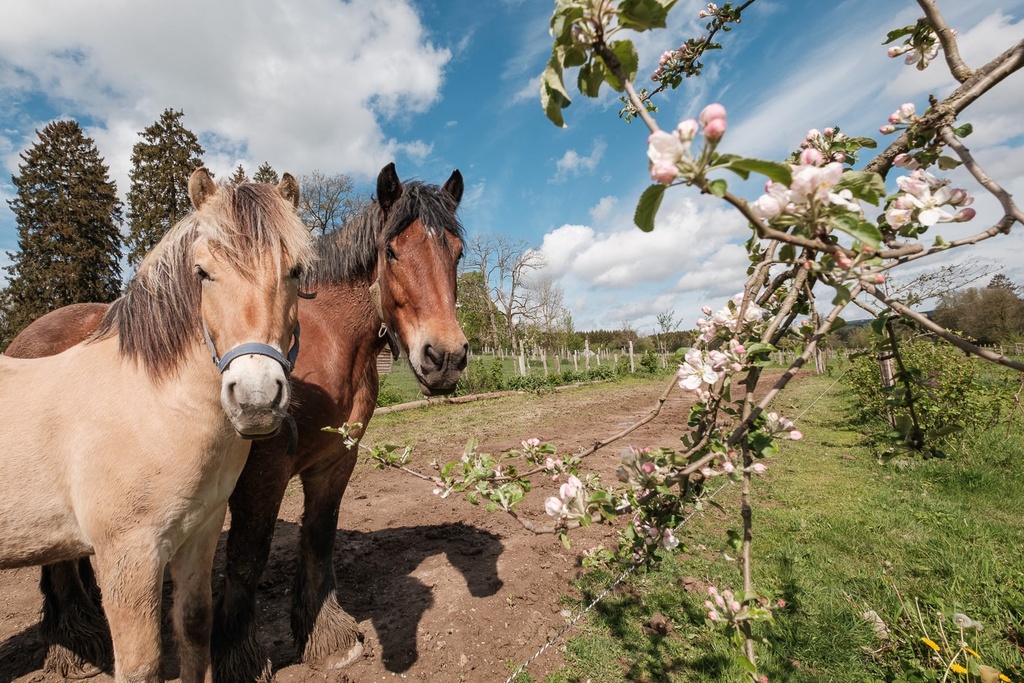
{"type": "Point", "coordinates": [158, 197]}
{"type": "Point", "coordinates": [69, 240]}
{"type": "Point", "coordinates": [266, 174]}
{"type": "Point", "coordinates": [239, 176]}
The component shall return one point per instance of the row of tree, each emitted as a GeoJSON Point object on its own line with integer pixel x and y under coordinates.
{"type": "Point", "coordinates": [75, 235]}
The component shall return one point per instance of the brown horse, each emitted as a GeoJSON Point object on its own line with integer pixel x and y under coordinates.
{"type": "Point", "coordinates": [387, 278]}
{"type": "Point", "coordinates": [94, 458]}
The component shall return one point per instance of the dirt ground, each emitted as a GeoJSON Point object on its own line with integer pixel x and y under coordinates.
{"type": "Point", "coordinates": [443, 590]}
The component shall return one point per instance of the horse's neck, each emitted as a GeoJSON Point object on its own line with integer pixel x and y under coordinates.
{"type": "Point", "coordinates": [348, 311]}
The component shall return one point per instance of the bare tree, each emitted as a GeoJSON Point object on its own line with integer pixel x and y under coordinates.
{"type": "Point", "coordinates": [545, 310]}
{"type": "Point", "coordinates": [505, 264]}
{"type": "Point", "coordinates": [327, 202]}
{"type": "Point", "coordinates": [667, 324]}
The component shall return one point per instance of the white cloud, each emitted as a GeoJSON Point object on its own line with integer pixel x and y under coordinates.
{"type": "Point", "coordinates": [603, 208]}
{"type": "Point", "coordinates": [301, 85]}
{"type": "Point", "coordinates": [626, 274]}
{"type": "Point", "coordinates": [574, 164]}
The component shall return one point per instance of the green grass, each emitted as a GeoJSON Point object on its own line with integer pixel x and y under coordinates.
{"type": "Point", "coordinates": [835, 535]}
{"type": "Point", "coordinates": [400, 385]}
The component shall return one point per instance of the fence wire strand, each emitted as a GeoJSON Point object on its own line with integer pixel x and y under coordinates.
{"type": "Point", "coordinates": [629, 570]}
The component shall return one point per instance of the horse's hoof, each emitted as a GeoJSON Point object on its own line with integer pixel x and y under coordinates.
{"type": "Point", "coordinates": [341, 660]}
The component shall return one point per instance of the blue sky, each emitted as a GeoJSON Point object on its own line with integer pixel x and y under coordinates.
{"type": "Point", "coordinates": [346, 87]}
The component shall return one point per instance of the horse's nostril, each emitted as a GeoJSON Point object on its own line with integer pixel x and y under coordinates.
{"type": "Point", "coordinates": [280, 394]}
{"type": "Point", "coordinates": [463, 357]}
{"type": "Point", "coordinates": [436, 357]}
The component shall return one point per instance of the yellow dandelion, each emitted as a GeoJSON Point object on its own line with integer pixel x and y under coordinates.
{"type": "Point", "coordinates": [1004, 677]}
{"type": "Point", "coordinates": [930, 643]}
{"type": "Point", "coordinates": [957, 668]}
{"type": "Point", "coordinates": [972, 652]}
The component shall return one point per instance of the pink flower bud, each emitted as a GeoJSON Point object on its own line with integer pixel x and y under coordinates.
{"type": "Point", "coordinates": [707, 472]}
{"type": "Point", "coordinates": [839, 156]}
{"type": "Point", "coordinates": [758, 468]}
{"type": "Point", "coordinates": [735, 606]}
{"type": "Point", "coordinates": [728, 467]}
{"type": "Point", "coordinates": [964, 215]}
{"type": "Point", "coordinates": [878, 278]}
{"type": "Point", "coordinates": [714, 130]}
{"type": "Point", "coordinates": [895, 51]}
{"type": "Point", "coordinates": [663, 172]}
{"type": "Point", "coordinates": [906, 110]}
{"type": "Point", "coordinates": [647, 467]}
{"type": "Point", "coordinates": [811, 157]}
{"type": "Point", "coordinates": [712, 615]}
{"type": "Point", "coordinates": [706, 310]}
{"type": "Point", "coordinates": [796, 435]}
{"type": "Point", "coordinates": [887, 129]}
{"type": "Point", "coordinates": [844, 261]}
{"type": "Point", "coordinates": [813, 134]}
{"type": "Point", "coordinates": [712, 112]}
{"type": "Point", "coordinates": [828, 132]}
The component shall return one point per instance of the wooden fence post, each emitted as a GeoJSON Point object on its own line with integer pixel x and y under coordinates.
{"type": "Point", "coordinates": [632, 365]}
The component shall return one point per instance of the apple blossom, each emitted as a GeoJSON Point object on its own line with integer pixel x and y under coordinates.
{"type": "Point", "coordinates": [712, 112]}
{"type": "Point", "coordinates": [714, 130]}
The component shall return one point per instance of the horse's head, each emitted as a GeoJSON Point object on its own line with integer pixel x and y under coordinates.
{"type": "Point", "coordinates": [249, 258]}
{"type": "Point", "coordinates": [418, 253]}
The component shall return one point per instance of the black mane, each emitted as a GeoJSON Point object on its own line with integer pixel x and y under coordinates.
{"type": "Point", "coordinates": [351, 251]}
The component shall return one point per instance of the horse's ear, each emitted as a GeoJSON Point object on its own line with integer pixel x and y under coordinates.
{"type": "Point", "coordinates": [289, 189]}
{"type": "Point", "coordinates": [454, 186]}
{"type": "Point", "coordinates": [201, 186]}
{"type": "Point", "coordinates": [389, 187]}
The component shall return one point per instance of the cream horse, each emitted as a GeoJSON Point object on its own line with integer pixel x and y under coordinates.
{"type": "Point", "coordinates": [128, 445]}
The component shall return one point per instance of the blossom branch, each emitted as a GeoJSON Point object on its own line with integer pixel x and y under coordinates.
{"type": "Point", "coordinates": [947, 38]}
{"type": "Point", "coordinates": [984, 179]}
{"type": "Point", "coordinates": [940, 331]}
{"type": "Point", "coordinates": [980, 82]}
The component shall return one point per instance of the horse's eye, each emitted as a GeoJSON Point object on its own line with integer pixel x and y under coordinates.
{"type": "Point", "coordinates": [390, 253]}
{"type": "Point", "coordinates": [202, 274]}
{"type": "Point", "coordinates": [296, 272]}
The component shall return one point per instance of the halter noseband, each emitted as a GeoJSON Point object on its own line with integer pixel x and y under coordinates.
{"type": "Point", "coordinates": [254, 348]}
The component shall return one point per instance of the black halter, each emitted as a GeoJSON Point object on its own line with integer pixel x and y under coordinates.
{"type": "Point", "coordinates": [254, 348]}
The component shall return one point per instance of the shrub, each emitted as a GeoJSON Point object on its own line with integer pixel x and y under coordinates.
{"type": "Point", "coordinates": [945, 388]}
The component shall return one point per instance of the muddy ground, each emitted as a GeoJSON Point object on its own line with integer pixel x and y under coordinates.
{"type": "Point", "coordinates": [443, 590]}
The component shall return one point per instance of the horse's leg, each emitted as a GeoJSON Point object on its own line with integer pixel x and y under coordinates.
{"type": "Point", "coordinates": [191, 570]}
{"type": "Point", "coordinates": [131, 578]}
{"type": "Point", "coordinates": [237, 653]}
{"type": "Point", "coordinates": [323, 631]}
{"type": "Point", "coordinates": [74, 628]}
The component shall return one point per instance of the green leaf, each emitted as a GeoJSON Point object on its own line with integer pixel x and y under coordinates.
{"type": "Point", "coordinates": [562, 21]}
{"type": "Point", "coordinates": [964, 130]}
{"type": "Point", "coordinates": [898, 33]}
{"type": "Point", "coordinates": [626, 53]}
{"type": "Point", "coordinates": [591, 77]}
{"type": "Point", "coordinates": [647, 207]}
{"type": "Point", "coordinates": [863, 185]}
{"type": "Point", "coordinates": [780, 173]}
{"type": "Point", "coordinates": [718, 187]}
{"type": "Point", "coordinates": [788, 253]}
{"type": "Point", "coordinates": [642, 15]}
{"type": "Point", "coordinates": [855, 226]}
{"type": "Point", "coordinates": [572, 56]}
{"type": "Point", "coordinates": [842, 295]}
{"type": "Point", "coordinates": [553, 97]}
{"type": "Point", "coordinates": [947, 163]}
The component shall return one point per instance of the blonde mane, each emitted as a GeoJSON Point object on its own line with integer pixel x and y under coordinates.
{"type": "Point", "coordinates": [158, 317]}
